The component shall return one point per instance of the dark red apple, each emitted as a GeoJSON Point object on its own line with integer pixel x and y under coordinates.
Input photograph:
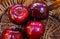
{"type": "Point", "coordinates": [12, 34]}
{"type": "Point", "coordinates": [18, 14]}
{"type": "Point", "coordinates": [39, 10]}
{"type": "Point", "coordinates": [34, 29]}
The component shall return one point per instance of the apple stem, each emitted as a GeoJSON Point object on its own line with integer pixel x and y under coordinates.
{"type": "Point", "coordinates": [19, 11]}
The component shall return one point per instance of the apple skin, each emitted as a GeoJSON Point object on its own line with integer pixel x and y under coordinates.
{"type": "Point", "coordinates": [18, 14]}
{"type": "Point", "coordinates": [34, 29]}
{"type": "Point", "coordinates": [12, 34]}
{"type": "Point", "coordinates": [39, 10]}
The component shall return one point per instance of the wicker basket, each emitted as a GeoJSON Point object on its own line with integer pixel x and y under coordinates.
{"type": "Point", "coordinates": [52, 25]}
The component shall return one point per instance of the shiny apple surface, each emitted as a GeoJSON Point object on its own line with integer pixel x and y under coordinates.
{"type": "Point", "coordinates": [39, 10]}
{"type": "Point", "coordinates": [18, 14]}
{"type": "Point", "coordinates": [34, 29]}
{"type": "Point", "coordinates": [12, 34]}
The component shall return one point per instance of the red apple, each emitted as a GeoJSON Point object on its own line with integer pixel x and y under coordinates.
{"type": "Point", "coordinates": [39, 10]}
{"type": "Point", "coordinates": [12, 34]}
{"type": "Point", "coordinates": [18, 14]}
{"type": "Point", "coordinates": [34, 29]}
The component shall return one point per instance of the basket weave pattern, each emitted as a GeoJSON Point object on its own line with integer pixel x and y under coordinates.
{"type": "Point", "coordinates": [52, 25]}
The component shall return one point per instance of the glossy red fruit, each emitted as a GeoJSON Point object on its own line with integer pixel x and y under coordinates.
{"type": "Point", "coordinates": [18, 14]}
{"type": "Point", "coordinates": [12, 34]}
{"type": "Point", "coordinates": [39, 10]}
{"type": "Point", "coordinates": [34, 29]}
